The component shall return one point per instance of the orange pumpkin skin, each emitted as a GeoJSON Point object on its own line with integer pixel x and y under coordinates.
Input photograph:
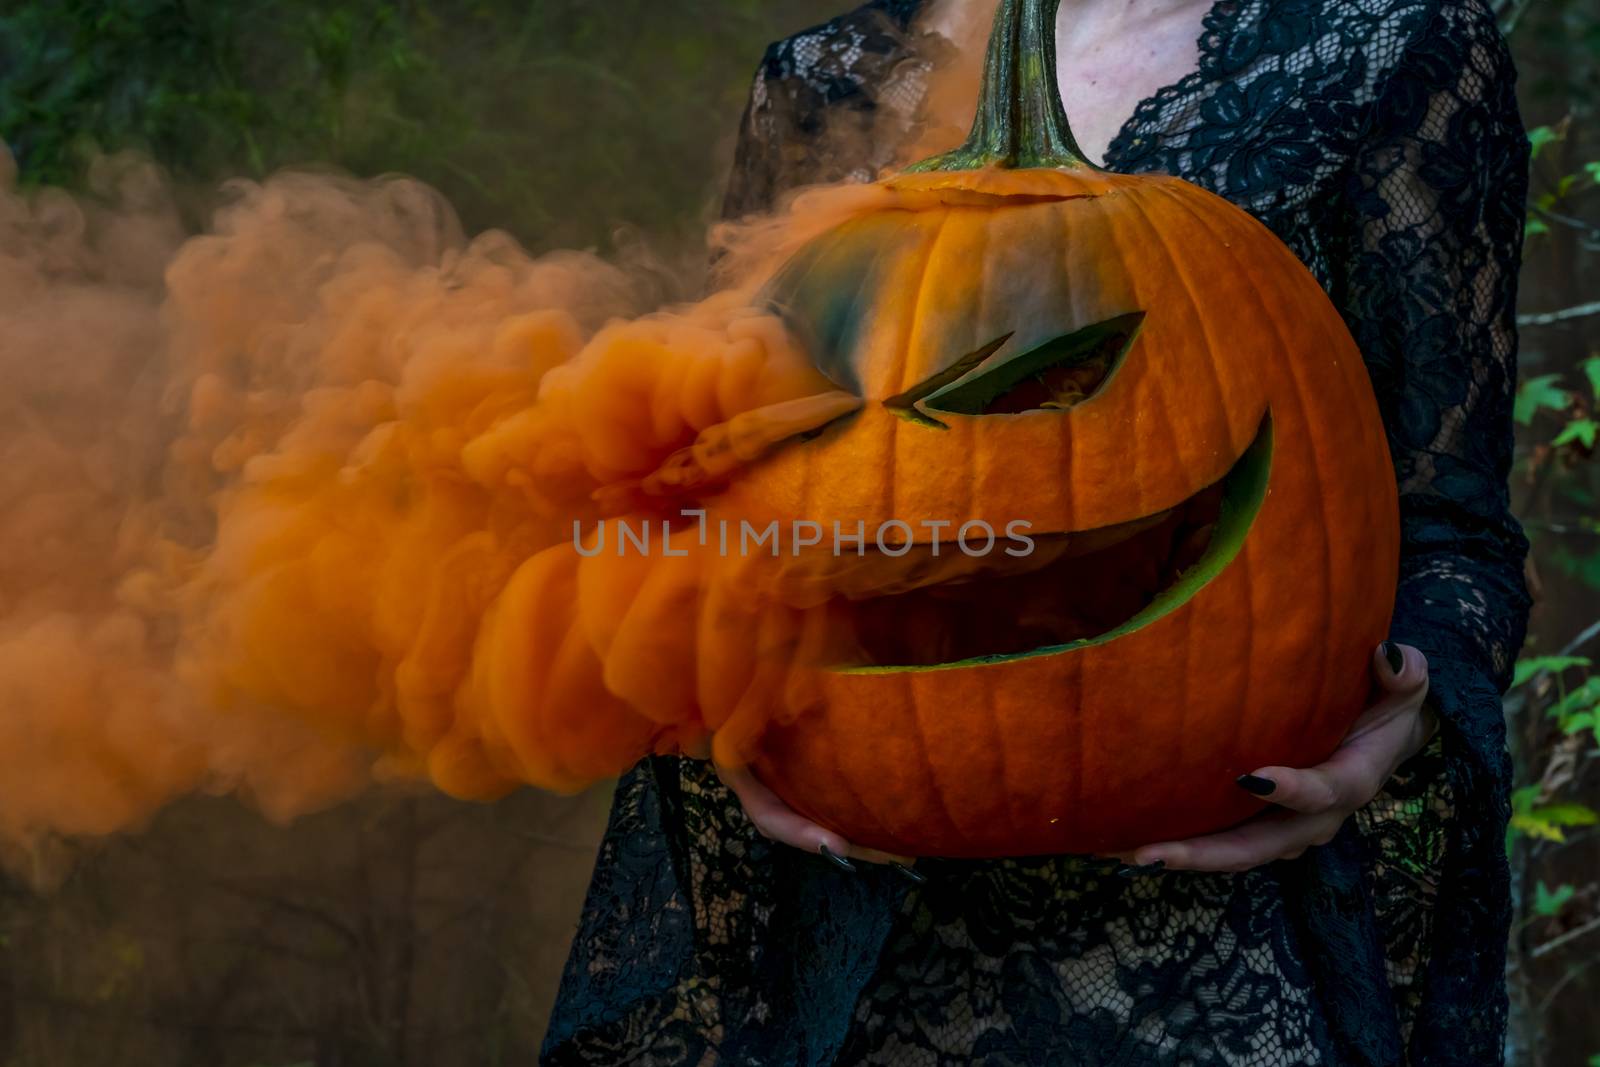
{"type": "Point", "coordinates": [1139, 738]}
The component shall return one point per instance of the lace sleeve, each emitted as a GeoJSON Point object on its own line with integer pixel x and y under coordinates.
{"type": "Point", "coordinates": [768, 126]}
{"type": "Point", "coordinates": [1438, 191]}
{"type": "Point", "coordinates": [817, 102]}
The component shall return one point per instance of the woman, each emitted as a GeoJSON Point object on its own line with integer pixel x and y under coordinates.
{"type": "Point", "coordinates": [1363, 923]}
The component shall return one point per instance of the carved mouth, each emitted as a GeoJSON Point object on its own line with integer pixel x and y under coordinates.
{"type": "Point", "coordinates": [1072, 591]}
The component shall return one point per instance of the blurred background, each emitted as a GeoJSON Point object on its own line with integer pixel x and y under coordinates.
{"type": "Point", "coordinates": [408, 930]}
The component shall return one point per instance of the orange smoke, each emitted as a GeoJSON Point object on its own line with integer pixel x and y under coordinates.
{"type": "Point", "coordinates": [945, 110]}
{"type": "Point", "coordinates": [292, 503]}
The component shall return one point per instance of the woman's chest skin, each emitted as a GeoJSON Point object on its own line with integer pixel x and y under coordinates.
{"type": "Point", "coordinates": [1113, 54]}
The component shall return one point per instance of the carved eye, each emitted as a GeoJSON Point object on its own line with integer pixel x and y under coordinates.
{"type": "Point", "coordinates": [1057, 375]}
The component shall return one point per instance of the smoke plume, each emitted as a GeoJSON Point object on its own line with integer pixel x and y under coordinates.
{"type": "Point", "coordinates": [288, 506]}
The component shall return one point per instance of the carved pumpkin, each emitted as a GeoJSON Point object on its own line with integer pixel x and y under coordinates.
{"type": "Point", "coordinates": [1143, 373]}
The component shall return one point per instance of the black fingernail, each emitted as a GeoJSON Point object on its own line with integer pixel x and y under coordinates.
{"type": "Point", "coordinates": [1396, 658]}
{"type": "Point", "coordinates": [916, 877]}
{"type": "Point", "coordinates": [1128, 870]}
{"type": "Point", "coordinates": [1261, 787]}
{"type": "Point", "coordinates": [838, 861]}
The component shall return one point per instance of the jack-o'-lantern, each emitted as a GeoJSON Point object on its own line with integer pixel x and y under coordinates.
{"type": "Point", "coordinates": [1147, 379]}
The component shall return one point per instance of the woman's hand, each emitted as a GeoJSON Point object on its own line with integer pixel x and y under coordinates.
{"type": "Point", "coordinates": [778, 822]}
{"type": "Point", "coordinates": [1314, 803]}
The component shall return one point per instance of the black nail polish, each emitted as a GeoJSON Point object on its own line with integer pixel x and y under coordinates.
{"type": "Point", "coordinates": [1396, 658]}
{"type": "Point", "coordinates": [1261, 787]}
{"type": "Point", "coordinates": [838, 861]}
{"type": "Point", "coordinates": [914, 877]}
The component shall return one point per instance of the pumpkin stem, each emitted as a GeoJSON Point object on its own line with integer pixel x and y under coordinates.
{"type": "Point", "coordinates": [1020, 121]}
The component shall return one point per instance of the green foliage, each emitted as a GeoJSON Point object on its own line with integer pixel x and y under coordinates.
{"type": "Point", "coordinates": [1548, 903]}
{"type": "Point", "coordinates": [559, 120]}
{"type": "Point", "coordinates": [1551, 206]}
{"type": "Point", "coordinates": [1547, 822]}
{"type": "Point", "coordinates": [1578, 431]}
{"type": "Point", "coordinates": [1539, 137]}
{"type": "Point", "coordinates": [1540, 393]}
{"type": "Point", "coordinates": [1530, 666]}
{"type": "Point", "coordinates": [1564, 420]}
{"type": "Point", "coordinates": [1591, 371]}
{"type": "Point", "coordinates": [1575, 708]}
{"type": "Point", "coordinates": [1584, 700]}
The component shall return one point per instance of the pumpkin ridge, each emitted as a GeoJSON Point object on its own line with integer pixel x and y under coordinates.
{"type": "Point", "coordinates": [1075, 751]}
{"type": "Point", "coordinates": [1178, 270]}
{"type": "Point", "coordinates": [1184, 616]}
{"type": "Point", "coordinates": [1314, 469]}
{"type": "Point", "coordinates": [1243, 560]}
{"type": "Point", "coordinates": [909, 344]}
{"type": "Point", "coordinates": [842, 775]}
{"type": "Point", "coordinates": [1070, 226]}
{"type": "Point", "coordinates": [1001, 747]}
{"type": "Point", "coordinates": [972, 471]}
{"type": "Point", "coordinates": [1247, 577]}
{"type": "Point", "coordinates": [998, 746]}
{"type": "Point", "coordinates": [920, 734]}
{"type": "Point", "coordinates": [924, 282]}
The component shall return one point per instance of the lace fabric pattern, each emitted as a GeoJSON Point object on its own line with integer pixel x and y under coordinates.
{"type": "Point", "coordinates": [1380, 140]}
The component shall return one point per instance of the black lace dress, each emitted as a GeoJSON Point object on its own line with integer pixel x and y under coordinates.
{"type": "Point", "coordinates": [1379, 139]}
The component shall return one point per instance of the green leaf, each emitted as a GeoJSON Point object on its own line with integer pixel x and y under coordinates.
{"type": "Point", "coordinates": [1540, 393]}
{"type": "Point", "coordinates": [1523, 800]}
{"type": "Point", "coordinates": [1549, 903]}
{"type": "Point", "coordinates": [1540, 136]}
{"type": "Point", "coordinates": [1579, 430]}
{"type": "Point", "coordinates": [1593, 170]}
{"type": "Point", "coordinates": [1568, 815]}
{"type": "Point", "coordinates": [1537, 828]}
{"type": "Point", "coordinates": [1547, 823]}
{"type": "Point", "coordinates": [1534, 227]}
{"type": "Point", "coordinates": [1578, 723]}
{"type": "Point", "coordinates": [1527, 668]}
{"type": "Point", "coordinates": [1581, 698]}
{"type": "Point", "coordinates": [1591, 370]}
